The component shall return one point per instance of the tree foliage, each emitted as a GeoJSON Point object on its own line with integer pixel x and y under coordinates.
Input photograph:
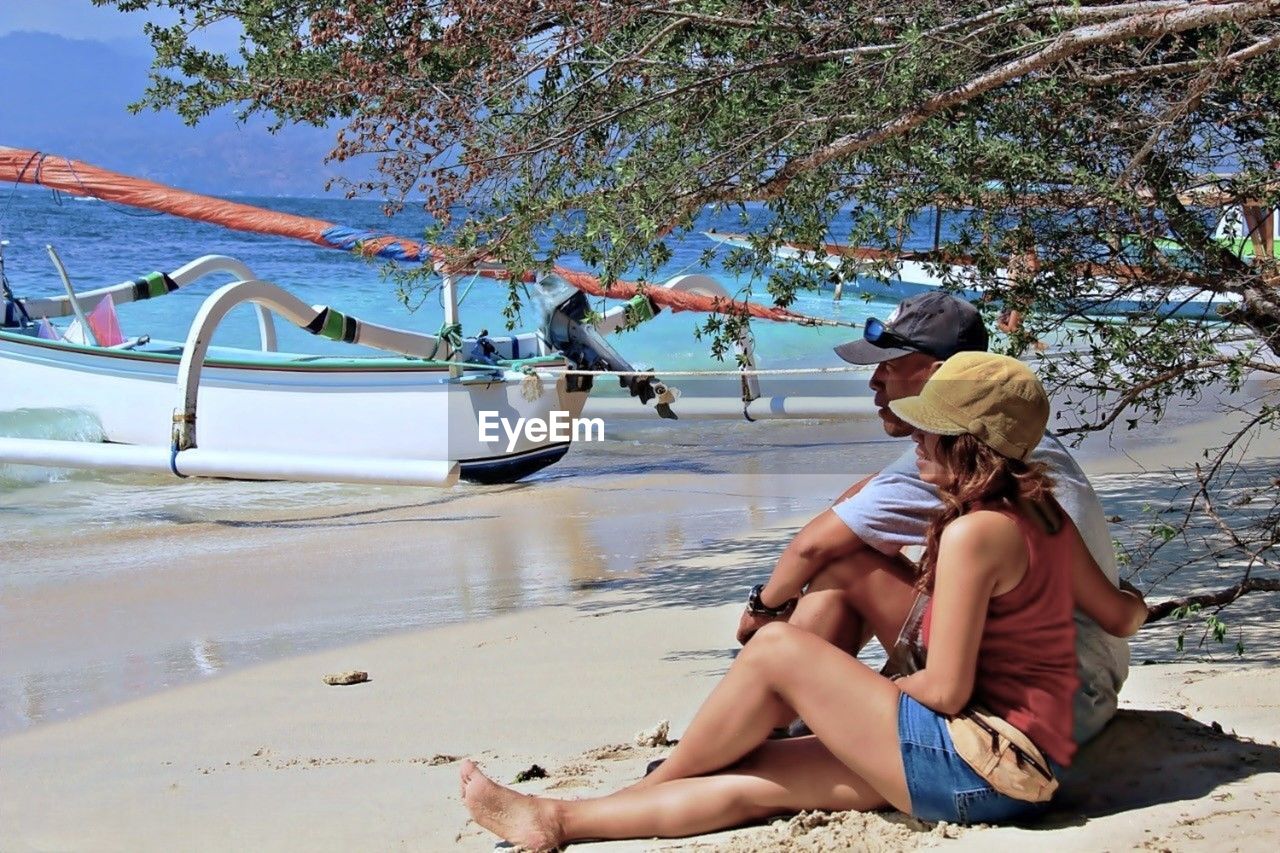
{"type": "Point", "coordinates": [1097, 141]}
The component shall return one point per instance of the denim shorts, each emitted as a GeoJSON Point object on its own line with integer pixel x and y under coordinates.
{"type": "Point", "coordinates": [942, 786]}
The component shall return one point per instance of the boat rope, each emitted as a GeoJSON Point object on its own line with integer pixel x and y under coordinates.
{"type": "Point", "coordinates": [10, 299]}
{"type": "Point", "coordinates": [88, 193]}
{"type": "Point", "coordinates": [778, 371]}
{"type": "Point", "coordinates": [467, 290]}
{"type": "Point", "coordinates": [173, 461]}
{"type": "Point", "coordinates": [530, 366]}
{"type": "Point", "coordinates": [18, 178]}
{"type": "Point", "coordinates": [451, 334]}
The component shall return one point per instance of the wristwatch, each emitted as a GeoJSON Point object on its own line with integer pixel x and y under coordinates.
{"type": "Point", "coordinates": [758, 608]}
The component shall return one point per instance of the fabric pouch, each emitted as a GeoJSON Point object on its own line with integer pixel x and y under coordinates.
{"type": "Point", "coordinates": [1003, 755]}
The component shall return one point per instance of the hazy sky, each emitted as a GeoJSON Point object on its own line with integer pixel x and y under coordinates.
{"type": "Point", "coordinates": [80, 19]}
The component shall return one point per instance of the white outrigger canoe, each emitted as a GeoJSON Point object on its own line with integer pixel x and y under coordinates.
{"type": "Point", "coordinates": [402, 416]}
{"type": "Point", "coordinates": [409, 415]}
{"type": "Point", "coordinates": [912, 273]}
{"type": "Point", "coordinates": [424, 409]}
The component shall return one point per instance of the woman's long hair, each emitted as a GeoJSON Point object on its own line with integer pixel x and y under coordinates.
{"type": "Point", "coordinates": [979, 476]}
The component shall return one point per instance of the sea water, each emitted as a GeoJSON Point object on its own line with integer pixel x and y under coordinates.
{"type": "Point", "coordinates": [114, 585]}
{"type": "Point", "coordinates": [102, 243]}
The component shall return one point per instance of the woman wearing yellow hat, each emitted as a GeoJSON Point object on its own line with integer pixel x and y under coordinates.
{"type": "Point", "coordinates": [973, 736]}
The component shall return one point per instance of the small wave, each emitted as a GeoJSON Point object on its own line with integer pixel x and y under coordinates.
{"type": "Point", "coordinates": [57, 424]}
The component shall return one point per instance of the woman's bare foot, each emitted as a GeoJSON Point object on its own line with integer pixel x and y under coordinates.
{"type": "Point", "coordinates": [527, 822]}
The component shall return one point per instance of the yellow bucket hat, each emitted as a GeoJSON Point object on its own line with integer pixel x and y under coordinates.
{"type": "Point", "coordinates": [994, 398]}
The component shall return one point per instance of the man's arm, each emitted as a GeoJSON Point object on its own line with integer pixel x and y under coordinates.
{"type": "Point", "coordinates": [825, 539]}
{"type": "Point", "coordinates": [822, 540]}
{"type": "Point", "coordinates": [886, 511]}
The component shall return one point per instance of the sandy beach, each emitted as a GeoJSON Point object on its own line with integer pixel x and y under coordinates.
{"type": "Point", "coordinates": [382, 243]}
{"type": "Point", "coordinates": [266, 756]}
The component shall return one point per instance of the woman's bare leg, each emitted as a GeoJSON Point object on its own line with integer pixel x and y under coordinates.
{"type": "Point", "coordinates": [852, 710]}
{"type": "Point", "coordinates": [781, 777]}
{"type": "Point", "coordinates": [854, 598]}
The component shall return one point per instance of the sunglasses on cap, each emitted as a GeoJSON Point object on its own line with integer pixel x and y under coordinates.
{"type": "Point", "coordinates": [878, 334]}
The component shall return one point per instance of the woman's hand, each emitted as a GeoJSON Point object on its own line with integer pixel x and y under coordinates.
{"type": "Point", "coordinates": [1119, 612]}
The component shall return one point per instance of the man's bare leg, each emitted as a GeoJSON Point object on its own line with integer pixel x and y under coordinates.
{"type": "Point", "coordinates": [856, 597]}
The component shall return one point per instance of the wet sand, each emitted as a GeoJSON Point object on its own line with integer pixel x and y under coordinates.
{"type": "Point", "coordinates": [270, 757]}
{"type": "Point", "coordinates": [163, 583]}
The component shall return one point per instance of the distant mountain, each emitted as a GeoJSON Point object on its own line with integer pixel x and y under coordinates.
{"type": "Point", "coordinates": [69, 97]}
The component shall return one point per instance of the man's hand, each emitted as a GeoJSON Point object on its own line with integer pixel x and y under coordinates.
{"type": "Point", "coordinates": [752, 622]}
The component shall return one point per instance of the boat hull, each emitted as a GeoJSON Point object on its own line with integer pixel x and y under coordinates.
{"type": "Point", "coordinates": [382, 408]}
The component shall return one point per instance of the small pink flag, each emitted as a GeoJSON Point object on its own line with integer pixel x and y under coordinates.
{"type": "Point", "coordinates": [45, 329]}
{"type": "Point", "coordinates": [106, 326]}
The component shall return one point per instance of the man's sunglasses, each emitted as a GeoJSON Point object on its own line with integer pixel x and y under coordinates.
{"type": "Point", "coordinates": [877, 333]}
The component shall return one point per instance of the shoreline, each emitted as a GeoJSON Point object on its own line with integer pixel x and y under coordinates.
{"type": "Point", "coordinates": [200, 579]}
{"type": "Point", "coordinates": [171, 583]}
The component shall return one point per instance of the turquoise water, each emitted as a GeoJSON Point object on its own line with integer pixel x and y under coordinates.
{"type": "Point", "coordinates": [103, 243]}
{"type": "Point", "coordinates": [112, 585]}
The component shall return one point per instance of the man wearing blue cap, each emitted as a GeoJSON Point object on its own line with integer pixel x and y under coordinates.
{"type": "Point", "coordinates": [844, 576]}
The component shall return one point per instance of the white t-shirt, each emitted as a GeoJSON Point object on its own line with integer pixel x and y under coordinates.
{"type": "Point", "coordinates": [894, 510]}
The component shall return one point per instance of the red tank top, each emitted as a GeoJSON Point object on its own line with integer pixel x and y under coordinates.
{"type": "Point", "coordinates": [1027, 656]}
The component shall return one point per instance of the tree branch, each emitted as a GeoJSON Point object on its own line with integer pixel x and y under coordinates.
{"type": "Point", "coordinates": [1156, 612]}
{"type": "Point", "coordinates": [1258, 48]}
{"type": "Point", "coordinates": [1151, 25]}
{"type": "Point", "coordinates": [1135, 391]}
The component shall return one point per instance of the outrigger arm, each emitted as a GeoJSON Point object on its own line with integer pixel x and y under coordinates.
{"type": "Point", "coordinates": [149, 287]}
{"type": "Point", "coordinates": [317, 319]}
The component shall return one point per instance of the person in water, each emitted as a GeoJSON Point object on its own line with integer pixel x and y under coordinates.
{"type": "Point", "coordinates": [997, 630]}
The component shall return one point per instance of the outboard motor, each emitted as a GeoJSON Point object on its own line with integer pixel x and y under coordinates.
{"type": "Point", "coordinates": [565, 327]}
{"type": "Point", "coordinates": [13, 314]}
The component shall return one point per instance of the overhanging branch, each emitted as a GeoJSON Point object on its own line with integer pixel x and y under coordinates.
{"type": "Point", "coordinates": [1160, 611]}
{"type": "Point", "coordinates": [1150, 25]}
